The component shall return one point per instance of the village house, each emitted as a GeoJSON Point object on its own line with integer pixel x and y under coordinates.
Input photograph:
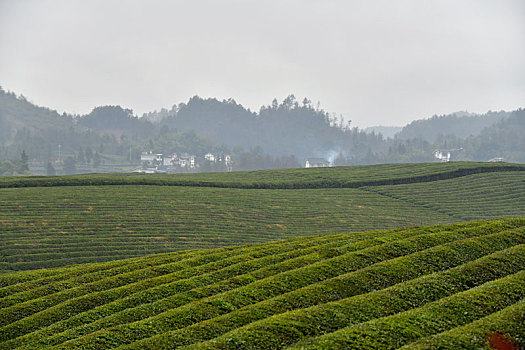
{"type": "Point", "coordinates": [210, 157]}
{"type": "Point", "coordinates": [443, 156]}
{"type": "Point", "coordinates": [174, 163]}
{"type": "Point", "coordinates": [151, 157]}
{"type": "Point", "coordinates": [187, 161]}
{"type": "Point", "coordinates": [446, 155]}
{"type": "Point", "coordinates": [316, 163]}
{"type": "Point", "coordinates": [497, 160]}
{"type": "Point", "coordinates": [228, 162]}
{"type": "Point", "coordinates": [171, 160]}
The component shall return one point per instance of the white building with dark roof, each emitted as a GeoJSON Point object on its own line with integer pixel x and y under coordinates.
{"type": "Point", "coordinates": [316, 163]}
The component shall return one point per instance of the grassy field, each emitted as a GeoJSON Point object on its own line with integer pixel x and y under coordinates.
{"type": "Point", "coordinates": [448, 286]}
{"type": "Point", "coordinates": [51, 222]}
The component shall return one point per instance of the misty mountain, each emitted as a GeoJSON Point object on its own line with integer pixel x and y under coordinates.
{"type": "Point", "coordinates": [222, 121]}
{"type": "Point", "coordinates": [460, 124]}
{"type": "Point", "coordinates": [504, 139]}
{"type": "Point", "coordinates": [280, 129]}
{"type": "Point", "coordinates": [386, 131]}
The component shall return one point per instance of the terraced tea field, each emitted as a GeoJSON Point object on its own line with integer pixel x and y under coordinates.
{"type": "Point", "coordinates": [449, 286]}
{"type": "Point", "coordinates": [465, 198]}
{"type": "Point", "coordinates": [336, 177]}
{"type": "Point", "coordinates": [51, 222]}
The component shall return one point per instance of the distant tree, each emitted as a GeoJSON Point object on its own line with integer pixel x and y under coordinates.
{"type": "Point", "coordinates": [50, 169]}
{"type": "Point", "coordinates": [81, 158]}
{"type": "Point", "coordinates": [289, 102]}
{"type": "Point", "coordinates": [22, 166]}
{"type": "Point", "coordinates": [7, 168]}
{"type": "Point", "coordinates": [96, 160]}
{"type": "Point", "coordinates": [70, 166]}
{"type": "Point", "coordinates": [307, 103]}
{"type": "Point", "coordinates": [88, 154]}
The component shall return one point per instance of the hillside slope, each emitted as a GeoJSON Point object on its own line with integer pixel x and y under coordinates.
{"type": "Point", "coordinates": [116, 217]}
{"type": "Point", "coordinates": [450, 286]}
{"type": "Point", "coordinates": [459, 124]}
{"type": "Point", "coordinates": [16, 113]}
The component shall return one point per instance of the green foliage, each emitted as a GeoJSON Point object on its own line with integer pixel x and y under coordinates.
{"type": "Point", "coordinates": [7, 167]}
{"type": "Point", "coordinates": [15, 167]}
{"type": "Point", "coordinates": [366, 290]}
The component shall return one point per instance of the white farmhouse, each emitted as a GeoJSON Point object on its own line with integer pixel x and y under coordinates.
{"type": "Point", "coordinates": [228, 162]}
{"type": "Point", "coordinates": [187, 161]}
{"type": "Point", "coordinates": [497, 160]}
{"type": "Point", "coordinates": [210, 157]}
{"type": "Point", "coordinates": [443, 156]}
{"type": "Point", "coordinates": [150, 157]}
{"type": "Point", "coordinates": [316, 163]}
{"type": "Point", "coordinates": [171, 160]}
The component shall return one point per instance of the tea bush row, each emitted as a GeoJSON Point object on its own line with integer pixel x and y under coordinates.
{"type": "Point", "coordinates": [415, 258]}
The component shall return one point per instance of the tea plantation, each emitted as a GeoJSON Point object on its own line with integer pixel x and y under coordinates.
{"type": "Point", "coordinates": [449, 286]}
{"type": "Point", "coordinates": [57, 221]}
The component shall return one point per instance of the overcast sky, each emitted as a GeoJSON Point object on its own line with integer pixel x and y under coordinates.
{"type": "Point", "coordinates": [374, 62]}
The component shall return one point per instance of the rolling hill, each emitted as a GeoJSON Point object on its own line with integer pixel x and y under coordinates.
{"type": "Point", "coordinates": [57, 221]}
{"type": "Point", "coordinates": [448, 286]}
{"type": "Point", "coordinates": [460, 124]}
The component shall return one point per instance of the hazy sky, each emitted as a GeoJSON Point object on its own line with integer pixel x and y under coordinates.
{"type": "Point", "coordinates": [375, 62]}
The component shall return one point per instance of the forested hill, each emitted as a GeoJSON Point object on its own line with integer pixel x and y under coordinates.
{"type": "Point", "coordinates": [279, 135]}
{"type": "Point", "coordinates": [506, 137]}
{"type": "Point", "coordinates": [461, 124]}
{"type": "Point", "coordinates": [116, 120]}
{"type": "Point", "coordinates": [290, 127]}
{"type": "Point", "coordinates": [17, 113]}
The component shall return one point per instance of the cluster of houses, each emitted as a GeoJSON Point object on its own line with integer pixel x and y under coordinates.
{"type": "Point", "coordinates": [173, 163]}
{"type": "Point", "coordinates": [447, 155]}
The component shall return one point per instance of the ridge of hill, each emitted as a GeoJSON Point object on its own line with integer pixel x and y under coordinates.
{"type": "Point", "coordinates": [18, 113]}
{"type": "Point", "coordinates": [101, 218]}
{"type": "Point", "coordinates": [460, 124]}
{"type": "Point", "coordinates": [452, 286]}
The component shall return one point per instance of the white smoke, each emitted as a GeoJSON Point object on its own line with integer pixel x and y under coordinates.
{"type": "Point", "coordinates": [331, 156]}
